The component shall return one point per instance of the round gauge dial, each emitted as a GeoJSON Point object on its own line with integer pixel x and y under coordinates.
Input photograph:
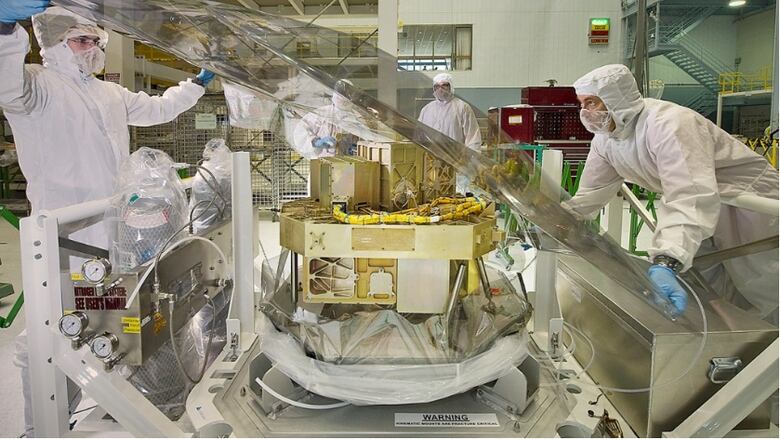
{"type": "Point", "coordinates": [73, 324]}
{"type": "Point", "coordinates": [104, 345]}
{"type": "Point", "coordinates": [96, 270]}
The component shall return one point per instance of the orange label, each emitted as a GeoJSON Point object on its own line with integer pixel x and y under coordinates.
{"type": "Point", "coordinates": [159, 322]}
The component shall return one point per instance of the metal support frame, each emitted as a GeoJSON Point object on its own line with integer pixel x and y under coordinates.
{"type": "Point", "coordinates": [41, 281]}
{"type": "Point", "coordinates": [51, 357]}
{"type": "Point", "coordinates": [708, 260]}
{"type": "Point", "coordinates": [768, 206]}
{"type": "Point", "coordinates": [640, 54]}
{"type": "Point", "coordinates": [241, 316]}
{"type": "Point", "coordinates": [638, 219]}
{"type": "Point", "coordinates": [546, 301]}
{"type": "Point", "coordinates": [615, 219]}
{"type": "Point", "coordinates": [735, 400]}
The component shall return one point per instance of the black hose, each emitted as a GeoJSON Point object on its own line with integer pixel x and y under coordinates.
{"type": "Point", "coordinates": [522, 285]}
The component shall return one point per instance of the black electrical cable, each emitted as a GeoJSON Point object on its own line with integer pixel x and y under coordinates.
{"type": "Point", "coordinates": [522, 285]}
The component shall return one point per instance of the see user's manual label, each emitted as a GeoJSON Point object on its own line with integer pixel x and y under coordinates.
{"type": "Point", "coordinates": [446, 420]}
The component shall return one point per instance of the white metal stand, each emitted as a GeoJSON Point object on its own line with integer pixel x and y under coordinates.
{"type": "Point", "coordinates": [42, 285]}
{"type": "Point", "coordinates": [615, 219]}
{"type": "Point", "coordinates": [51, 357]}
{"type": "Point", "coordinates": [241, 316]}
{"type": "Point", "coordinates": [545, 298]}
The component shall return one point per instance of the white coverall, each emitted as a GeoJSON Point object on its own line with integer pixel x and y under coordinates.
{"type": "Point", "coordinates": [451, 116]}
{"type": "Point", "coordinates": [71, 133]}
{"type": "Point", "coordinates": [674, 151]}
{"type": "Point", "coordinates": [338, 118]}
{"type": "Point", "coordinates": [454, 118]}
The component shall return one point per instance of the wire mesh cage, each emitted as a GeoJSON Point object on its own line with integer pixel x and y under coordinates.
{"type": "Point", "coordinates": [278, 172]}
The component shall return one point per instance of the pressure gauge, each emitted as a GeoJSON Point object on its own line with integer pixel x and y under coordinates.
{"type": "Point", "coordinates": [104, 345]}
{"type": "Point", "coordinates": [96, 270]}
{"type": "Point", "coordinates": [72, 325]}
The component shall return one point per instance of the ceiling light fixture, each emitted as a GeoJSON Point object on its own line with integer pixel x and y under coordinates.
{"type": "Point", "coordinates": [737, 3]}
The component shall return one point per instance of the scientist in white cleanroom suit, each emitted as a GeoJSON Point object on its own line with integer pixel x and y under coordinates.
{"type": "Point", "coordinates": [675, 151]}
{"type": "Point", "coordinates": [332, 129]}
{"type": "Point", "coordinates": [452, 117]}
{"type": "Point", "coordinates": [69, 127]}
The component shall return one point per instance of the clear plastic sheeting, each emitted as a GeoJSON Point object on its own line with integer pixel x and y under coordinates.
{"type": "Point", "coordinates": [375, 355]}
{"type": "Point", "coordinates": [371, 384]}
{"type": "Point", "coordinates": [373, 334]}
{"type": "Point", "coordinates": [247, 109]}
{"type": "Point", "coordinates": [160, 381]}
{"type": "Point", "coordinates": [210, 200]}
{"type": "Point", "coordinates": [150, 206]}
{"type": "Point", "coordinates": [286, 61]}
{"type": "Point", "coordinates": [329, 98]}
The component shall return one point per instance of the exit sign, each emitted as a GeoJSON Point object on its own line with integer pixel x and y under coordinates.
{"type": "Point", "coordinates": [598, 33]}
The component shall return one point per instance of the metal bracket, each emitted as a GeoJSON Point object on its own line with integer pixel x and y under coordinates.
{"type": "Point", "coordinates": [234, 336]}
{"type": "Point", "coordinates": [80, 248]}
{"type": "Point", "coordinates": [555, 337]}
{"type": "Point", "coordinates": [723, 369]}
{"type": "Point", "coordinates": [708, 260]}
{"type": "Point", "coordinates": [512, 393]}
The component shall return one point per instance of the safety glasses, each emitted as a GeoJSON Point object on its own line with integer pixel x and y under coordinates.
{"type": "Point", "coordinates": [85, 41]}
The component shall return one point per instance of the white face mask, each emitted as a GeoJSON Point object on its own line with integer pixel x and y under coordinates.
{"type": "Point", "coordinates": [91, 60]}
{"type": "Point", "coordinates": [596, 121]}
{"type": "Point", "coordinates": [442, 94]}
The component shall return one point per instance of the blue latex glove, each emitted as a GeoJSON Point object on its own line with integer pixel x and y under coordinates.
{"type": "Point", "coordinates": [666, 283]}
{"type": "Point", "coordinates": [205, 77]}
{"type": "Point", "coordinates": [12, 11]}
{"type": "Point", "coordinates": [324, 142]}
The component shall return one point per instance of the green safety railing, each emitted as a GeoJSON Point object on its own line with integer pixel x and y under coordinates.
{"type": "Point", "coordinates": [7, 289]}
{"type": "Point", "coordinates": [637, 222]}
{"type": "Point", "coordinates": [570, 182]}
{"type": "Point", "coordinates": [7, 176]}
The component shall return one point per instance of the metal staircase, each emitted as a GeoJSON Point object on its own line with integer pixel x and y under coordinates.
{"type": "Point", "coordinates": [669, 38]}
{"type": "Point", "coordinates": [703, 103]}
{"type": "Point", "coordinates": [705, 73]}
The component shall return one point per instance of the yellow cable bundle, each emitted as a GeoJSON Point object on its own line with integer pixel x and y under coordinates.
{"type": "Point", "coordinates": [421, 215]}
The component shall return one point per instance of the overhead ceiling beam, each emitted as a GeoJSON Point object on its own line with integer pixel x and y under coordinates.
{"type": "Point", "coordinates": [297, 5]}
{"type": "Point", "coordinates": [344, 6]}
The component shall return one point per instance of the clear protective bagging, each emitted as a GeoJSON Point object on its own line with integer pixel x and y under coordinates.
{"type": "Point", "coordinates": [149, 207]}
{"type": "Point", "coordinates": [389, 383]}
{"type": "Point", "coordinates": [210, 198]}
{"type": "Point", "coordinates": [159, 380]}
{"type": "Point", "coordinates": [247, 109]}
{"type": "Point", "coordinates": [369, 355]}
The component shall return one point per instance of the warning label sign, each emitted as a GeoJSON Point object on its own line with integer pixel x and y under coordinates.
{"type": "Point", "coordinates": [131, 325]}
{"type": "Point", "coordinates": [446, 420]}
